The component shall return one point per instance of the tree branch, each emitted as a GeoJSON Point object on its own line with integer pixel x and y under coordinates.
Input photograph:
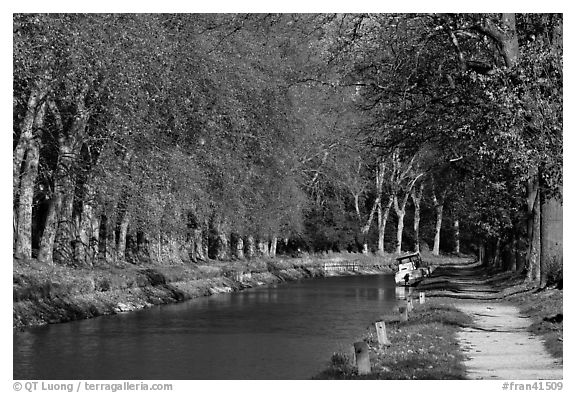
{"type": "Point", "coordinates": [490, 29]}
{"type": "Point", "coordinates": [456, 45]}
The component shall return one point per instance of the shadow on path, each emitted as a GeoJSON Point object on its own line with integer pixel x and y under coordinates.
{"type": "Point", "coordinates": [468, 280]}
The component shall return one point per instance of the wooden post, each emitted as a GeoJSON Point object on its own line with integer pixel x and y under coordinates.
{"type": "Point", "coordinates": [381, 332]}
{"type": "Point", "coordinates": [409, 304]}
{"type": "Point", "coordinates": [422, 298]}
{"type": "Point", "coordinates": [403, 314]}
{"type": "Point", "coordinates": [362, 356]}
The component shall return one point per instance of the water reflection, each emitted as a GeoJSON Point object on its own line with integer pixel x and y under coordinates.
{"type": "Point", "coordinates": [403, 292]}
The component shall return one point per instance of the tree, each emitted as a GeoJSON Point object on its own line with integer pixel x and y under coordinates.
{"type": "Point", "coordinates": [404, 180]}
{"type": "Point", "coordinates": [530, 49]}
{"type": "Point", "coordinates": [163, 137]}
{"type": "Point", "coordinates": [438, 199]}
{"type": "Point", "coordinates": [416, 195]}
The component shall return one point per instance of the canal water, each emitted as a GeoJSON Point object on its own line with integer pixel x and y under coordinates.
{"type": "Point", "coordinates": [286, 331]}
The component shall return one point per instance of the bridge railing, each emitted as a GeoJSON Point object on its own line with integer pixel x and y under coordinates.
{"type": "Point", "coordinates": [338, 266]}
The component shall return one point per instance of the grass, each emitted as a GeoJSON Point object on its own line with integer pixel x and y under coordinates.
{"type": "Point", "coordinates": [424, 347]}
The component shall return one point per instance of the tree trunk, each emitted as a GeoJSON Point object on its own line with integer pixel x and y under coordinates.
{"type": "Point", "coordinates": [399, 231]}
{"type": "Point", "coordinates": [551, 238]}
{"type": "Point", "coordinates": [509, 43]}
{"type": "Point", "coordinates": [110, 250]}
{"type": "Point", "coordinates": [273, 244]}
{"type": "Point", "coordinates": [439, 207]}
{"type": "Point", "coordinates": [506, 37]}
{"type": "Point", "coordinates": [530, 234]}
{"type": "Point", "coordinates": [26, 197]}
{"type": "Point", "coordinates": [382, 220]}
{"type": "Point", "coordinates": [174, 248]}
{"type": "Point", "coordinates": [45, 254]}
{"type": "Point", "coordinates": [416, 198]}
{"type": "Point", "coordinates": [417, 228]}
{"type": "Point", "coordinates": [63, 250]}
{"type": "Point", "coordinates": [48, 240]}
{"type": "Point", "coordinates": [380, 225]}
{"type": "Point", "coordinates": [222, 245]}
{"type": "Point", "coordinates": [87, 232]}
{"type": "Point", "coordinates": [219, 246]}
{"type": "Point", "coordinates": [35, 104]}
{"type": "Point", "coordinates": [516, 255]}
{"type": "Point", "coordinates": [87, 249]}
{"type": "Point", "coordinates": [107, 243]}
{"type": "Point", "coordinates": [197, 245]}
{"type": "Point", "coordinates": [457, 236]}
{"type": "Point", "coordinates": [533, 200]}
{"type": "Point", "coordinates": [237, 245]}
{"type": "Point", "coordinates": [205, 240]}
{"type": "Point", "coordinates": [154, 248]}
{"type": "Point", "coordinates": [497, 260]}
{"type": "Point", "coordinates": [93, 250]}
{"type": "Point", "coordinates": [364, 229]}
{"type": "Point", "coordinates": [364, 237]}
{"type": "Point", "coordinates": [121, 249]}
{"type": "Point", "coordinates": [250, 247]}
{"type": "Point", "coordinates": [365, 226]}
{"type": "Point", "coordinates": [24, 212]}
{"type": "Point", "coordinates": [70, 144]}
{"type": "Point", "coordinates": [142, 249]}
{"type": "Point", "coordinates": [400, 209]}
{"type": "Point", "coordinates": [439, 212]}
{"type": "Point", "coordinates": [535, 246]}
{"type": "Point", "coordinates": [263, 249]}
{"type": "Point", "coordinates": [132, 248]}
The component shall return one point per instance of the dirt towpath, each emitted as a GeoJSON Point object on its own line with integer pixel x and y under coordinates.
{"type": "Point", "coordinates": [498, 345]}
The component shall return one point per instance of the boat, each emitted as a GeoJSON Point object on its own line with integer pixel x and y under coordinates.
{"type": "Point", "coordinates": [410, 270]}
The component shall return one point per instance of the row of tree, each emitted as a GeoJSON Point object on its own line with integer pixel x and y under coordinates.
{"type": "Point", "coordinates": [472, 105]}
{"type": "Point", "coordinates": [182, 137]}
{"type": "Point", "coordinates": [147, 129]}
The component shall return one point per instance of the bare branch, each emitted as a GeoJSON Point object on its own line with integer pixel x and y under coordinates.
{"type": "Point", "coordinates": [490, 29]}
{"type": "Point", "coordinates": [456, 45]}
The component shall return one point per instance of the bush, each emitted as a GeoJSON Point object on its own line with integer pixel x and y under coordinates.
{"type": "Point", "coordinates": [555, 270]}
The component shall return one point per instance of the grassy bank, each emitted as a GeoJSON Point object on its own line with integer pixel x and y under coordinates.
{"type": "Point", "coordinates": [424, 347]}
{"type": "Point", "coordinates": [52, 294]}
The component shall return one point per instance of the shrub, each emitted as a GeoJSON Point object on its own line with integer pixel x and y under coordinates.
{"type": "Point", "coordinates": [555, 270]}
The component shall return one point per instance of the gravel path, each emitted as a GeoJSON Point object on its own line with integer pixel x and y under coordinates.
{"type": "Point", "coordinates": [499, 346]}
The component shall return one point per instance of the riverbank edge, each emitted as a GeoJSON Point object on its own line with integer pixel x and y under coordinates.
{"type": "Point", "coordinates": [55, 294]}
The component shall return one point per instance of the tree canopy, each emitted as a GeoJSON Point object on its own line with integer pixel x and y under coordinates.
{"type": "Point", "coordinates": [170, 132]}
